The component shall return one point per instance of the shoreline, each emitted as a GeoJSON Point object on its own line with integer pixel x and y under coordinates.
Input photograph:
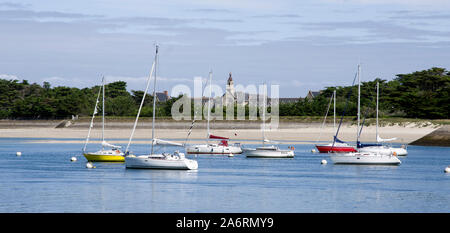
{"type": "Point", "coordinates": [243, 132]}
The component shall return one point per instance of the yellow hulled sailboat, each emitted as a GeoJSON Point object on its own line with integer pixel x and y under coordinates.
{"type": "Point", "coordinates": [113, 154]}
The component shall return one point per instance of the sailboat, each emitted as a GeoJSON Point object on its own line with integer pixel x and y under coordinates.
{"type": "Point", "coordinates": [264, 151]}
{"type": "Point", "coordinates": [360, 158]}
{"type": "Point", "coordinates": [164, 160]}
{"type": "Point", "coordinates": [337, 145]}
{"type": "Point", "coordinates": [378, 147]}
{"type": "Point", "coordinates": [364, 158]}
{"type": "Point", "coordinates": [104, 155]}
{"type": "Point", "coordinates": [214, 148]}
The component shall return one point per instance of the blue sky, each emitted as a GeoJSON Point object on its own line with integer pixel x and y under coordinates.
{"type": "Point", "coordinates": [300, 45]}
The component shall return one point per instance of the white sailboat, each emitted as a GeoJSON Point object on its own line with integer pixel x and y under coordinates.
{"type": "Point", "coordinates": [380, 148]}
{"type": "Point", "coordinates": [113, 154]}
{"type": "Point", "coordinates": [368, 158]}
{"type": "Point", "coordinates": [372, 158]}
{"type": "Point", "coordinates": [264, 151]}
{"type": "Point", "coordinates": [164, 160]}
{"type": "Point", "coordinates": [214, 148]}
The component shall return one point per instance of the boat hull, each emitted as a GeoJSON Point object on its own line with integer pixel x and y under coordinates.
{"type": "Point", "coordinates": [218, 150]}
{"type": "Point", "coordinates": [400, 151]}
{"type": "Point", "coordinates": [335, 149]}
{"type": "Point", "coordinates": [384, 150]}
{"type": "Point", "coordinates": [376, 149]}
{"type": "Point", "coordinates": [364, 159]}
{"type": "Point", "coordinates": [146, 162]}
{"type": "Point", "coordinates": [255, 153]}
{"type": "Point", "coordinates": [93, 157]}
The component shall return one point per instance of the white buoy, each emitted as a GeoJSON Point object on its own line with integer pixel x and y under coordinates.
{"type": "Point", "coordinates": [313, 150]}
{"type": "Point", "coordinates": [323, 161]}
{"type": "Point", "coordinates": [18, 153]}
{"type": "Point", "coordinates": [89, 165]}
{"type": "Point", "coordinates": [447, 169]}
{"type": "Point", "coordinates": [230, 155]}
{"type": "Point", "coordinates": [73, 159]}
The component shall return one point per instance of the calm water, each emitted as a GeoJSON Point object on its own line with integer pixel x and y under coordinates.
{"type": "Point", "coordinates": [44, 180]}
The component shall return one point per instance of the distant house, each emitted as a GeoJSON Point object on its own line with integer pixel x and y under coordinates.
{"type": "Point", "coordinates": [312, 94]}
{"type": "Point", "coordinates": [283, 101]}
{"type": "Point", "coordinates": [162, 96]}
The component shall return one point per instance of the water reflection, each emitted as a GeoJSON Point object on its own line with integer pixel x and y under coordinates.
{"type": "Point", "coordinates": [157, 174]}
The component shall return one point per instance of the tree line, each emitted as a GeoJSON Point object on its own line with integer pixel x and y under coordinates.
{"type": "Point", "coordinates": [22, 100]}
{"type": "Point", "coordinates": [422, 94]}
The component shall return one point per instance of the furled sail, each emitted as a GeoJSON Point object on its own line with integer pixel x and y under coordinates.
{"type": "Point", "coordinates": [217, 137]}
{"type": "Point", "coordinates": [271, 141]}
{"type": "Point", "coordinates": [92, 119]}
{"type": "Point", "coordinates": [105, 144]}
{"type": "Point", "coordinates": [164, 142]}
{"type": "Point", "coordinates": [337, 140]}
{"type": "Point", "coordinates": [385, 140]}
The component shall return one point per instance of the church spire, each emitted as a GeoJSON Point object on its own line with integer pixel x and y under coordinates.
{"type": "Point", "coordinates": [230, 79]}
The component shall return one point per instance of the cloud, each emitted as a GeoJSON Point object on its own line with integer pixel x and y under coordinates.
{"type": "Point", "coordinates": [401, 2]}
{"type": "Point", "coordinates": [170, 30]}
{"type": "Point", "coordinates": [73, 48]}
{"type": "Point", "coordinates": [376, 31]}
{"type": "Point", "coordinates": [13, 5]}
{"type": "Point", "coordinates": [410, 15]}
{"type": "Point", "coordinates": [28, 14]}
{"type": "Point", "coordinates": [212, 10]}
{"type": "Point", "coordinates": [158, 21]}
{"type": "Point", "coordinates": [134, 83]}
{"type": "Point", "coordinates": [143, 80]}
{"type": "Point", "coordinates": [8, 77]}
{"type": "Point", "coordinates": [71, 82]}
{"type": "Point", "coordinates": [277, 16]}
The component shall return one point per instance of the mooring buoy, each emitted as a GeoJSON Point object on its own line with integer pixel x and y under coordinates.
{"type": "Point", "coordinates": [90, 165]}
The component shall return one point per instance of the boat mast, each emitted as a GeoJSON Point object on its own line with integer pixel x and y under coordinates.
{"type": "Point", "coordinates": [378, 86]}
{"type": "Point", "coordinates": [92, 120]}
{"type": "Point", "coordinates": [154, 100]}
{"type": "Point", "coordinates": [209, 106]}
{"type": "Point", "coordinates": [103, 112]}
{"type": "Point", "coordinates": [334, 109]}
{"type": "Point", "coordinates": [359, 101]}
{"type": "Point", "coordinates": [349, 94]}
{"type": "Point", "coordinates": [264, 113]}
{"type": "Point", "coordinates": [142, 103]}
{"type": "Point", "coordinates": [325, 118]}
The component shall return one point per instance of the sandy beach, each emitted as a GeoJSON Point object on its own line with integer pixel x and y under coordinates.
{"type": "Point", "coordinates": [286, 133]}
